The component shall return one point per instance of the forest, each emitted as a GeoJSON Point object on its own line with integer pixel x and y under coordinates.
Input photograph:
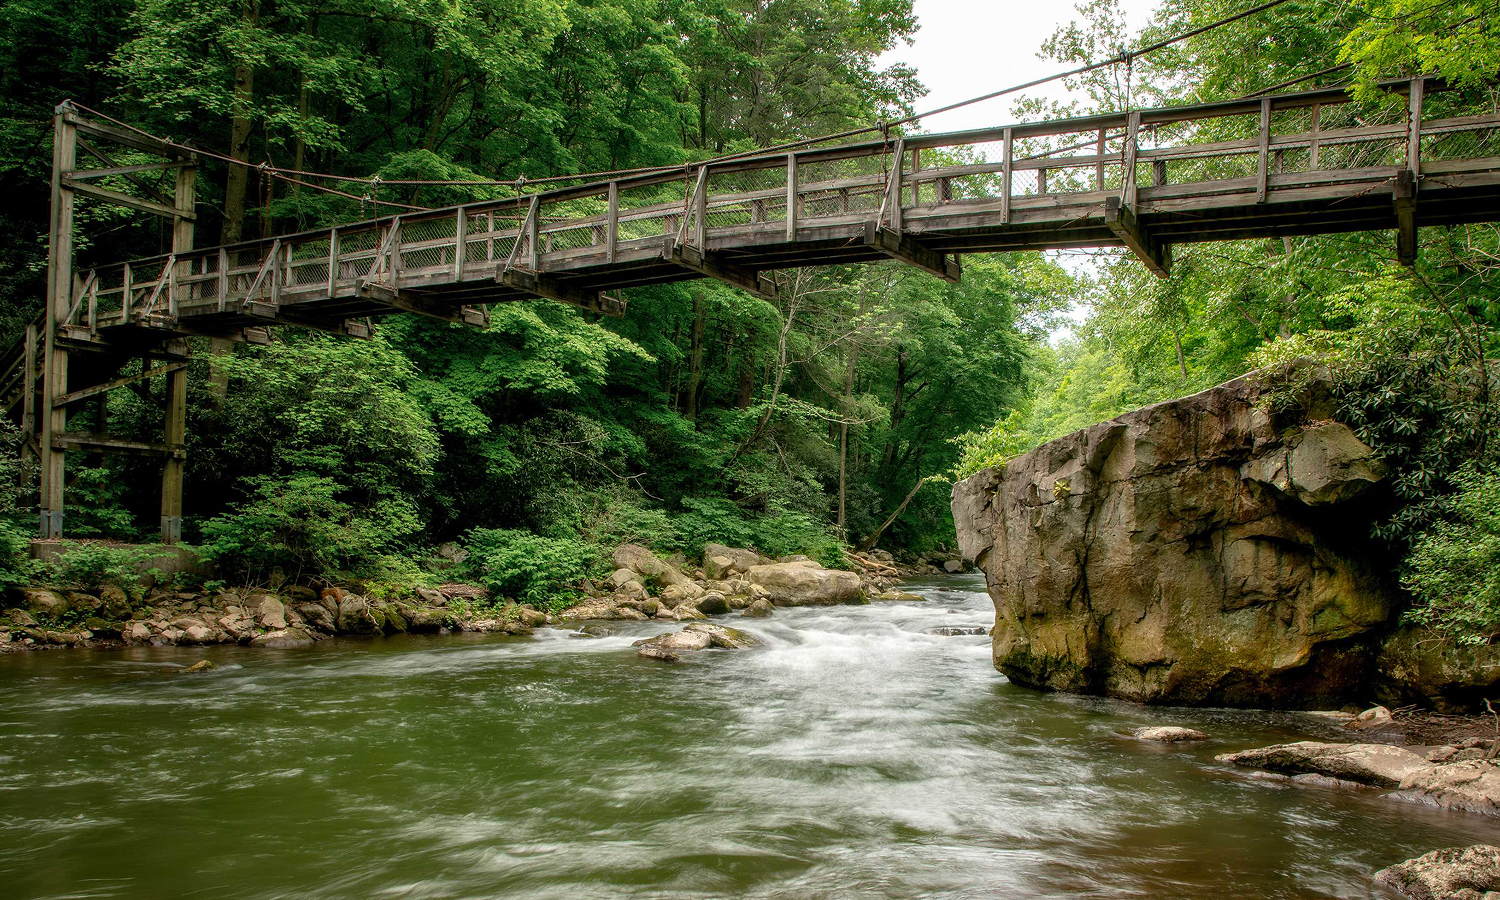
{"type": "Point", "coordinates": [834, 417]}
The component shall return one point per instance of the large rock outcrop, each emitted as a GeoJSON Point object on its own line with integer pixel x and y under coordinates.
{"type": "Point", "coordinates": [1206, 550]}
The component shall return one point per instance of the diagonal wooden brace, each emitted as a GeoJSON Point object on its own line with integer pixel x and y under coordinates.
{"type": "Point", "coordinates": [907, 249]}
{"type": "Point", "coordinates": [1122, 222]}
{"type": "Point", "coordinates": [708, 264]}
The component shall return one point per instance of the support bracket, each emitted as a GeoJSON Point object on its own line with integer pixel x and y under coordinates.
{"type": "Point", "coordinates": [280, 315]}
{"type": "Point", "coordinates": [710, 265]}
{"type": "Point", "coordinates": [1122, 222]}
{"type": "Point", "coordinates": [904, 248]}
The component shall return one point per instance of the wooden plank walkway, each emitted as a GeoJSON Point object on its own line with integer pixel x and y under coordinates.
{"type": "Point", "coordinates": [1292, 164]}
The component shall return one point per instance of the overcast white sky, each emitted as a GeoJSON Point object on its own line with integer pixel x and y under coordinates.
{"type": "Point", "coordinates": [970, 47]}
{"type": "Point", "coordinates": [966, 48]}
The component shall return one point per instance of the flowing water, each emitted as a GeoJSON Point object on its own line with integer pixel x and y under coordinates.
{"type": "Point", "coordinates": [855, 755]}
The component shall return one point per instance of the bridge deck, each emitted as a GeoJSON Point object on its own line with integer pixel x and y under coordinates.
{"type": "Point", "coordinates": [1291, 164]}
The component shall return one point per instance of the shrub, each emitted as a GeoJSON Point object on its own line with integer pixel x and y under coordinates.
{"type": "Point", "coordinates": [1454, 567]}
{"type": "Point", "coordinates": [90, 565]}
{"type": "Point", "coordinates": [539, 570]}
{"type": "Point", "coordinates": [303, 527]}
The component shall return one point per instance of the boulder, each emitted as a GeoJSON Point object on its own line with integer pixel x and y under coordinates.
{"type": "Point", "coordinates": [800, 583]}
{"type": "Point", "coordinates": [1460, 873]}
{"type": "Point", "coordinates": [1377, 765]}
{"type": "Point", "coordinates": [201, 665]}
{"type": "Point", "coordinates": [901, 596]}
{"type": "Point", "coordinates": [1469, 785]}
{"type": "Point", "coordinates": [283, 639]}
{"type": "Point", "coordinates": [717, 567]}
{"type": "Point", "coordinates": [532, 617]}
{"type": "Point", "coordinates": [678, 640]}
{"type": "Point", "coordinates": [136, 633]}
{"type": "Point", "coordinates": [1169, 734]}
{"type": "Point", "coordinates": [45, 603]}
{"type": "Point", "coordinates": [198, 634]}
{"type": "Point", "coordinates": [759, 609]}
{"type": "Point", "coordinates": [355, 616]}
{"type": "Point", "coordinates": [712, 603]}
{"type": "Point", "coordinates": [953, 566]}
{"type": "Point", "coordinates": [959, 630]}
{"type": "Point", "coordinates": [677, 594]}
{"type": "Point", "coordinates": [619, 578]}
{"type": "Point", "coordinates": [658, 654]}
{"type": "Point", "coordinates": [1377, 719]}
{"type": "Point", "coordinates": [631, 590]}
{"type": "Point", "coordinates": [736, 559]}
{"type": "Point", "coordinates": [269, 611]}
{"type": "Point", "coordinates": [687, 612]}
{"type": "Point", "coordinates": [20, 617]}
{"type": "Point", "coordinates": [639, 559]}
{"type": "Point", "coordinates": [315, 614]}
{"type": "Point", "coordinates": [432, 596]}
{"type": "Point", "coordinates": [1194, 552]}
{"type": "Point", "coordinates": [722, 636]}
{"type": "Point", "coordinates": [114, 603]}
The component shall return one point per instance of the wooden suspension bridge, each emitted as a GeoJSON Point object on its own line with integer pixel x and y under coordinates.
{"type": "Point", "coordinates": [1302, 163]}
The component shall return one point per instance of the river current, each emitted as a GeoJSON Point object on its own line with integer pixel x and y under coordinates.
{"type": "Point", "coordinates": [855, 755]}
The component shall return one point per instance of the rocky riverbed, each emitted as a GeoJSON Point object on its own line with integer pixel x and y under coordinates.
{"type": "Point", "coordinates": [642, 586]}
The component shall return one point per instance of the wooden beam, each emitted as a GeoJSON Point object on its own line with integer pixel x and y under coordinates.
{"type": "Point", "coordinates": [109, 196]}
{"type": "Point", "coordinates": [1404, 197]}
{"type": "Point", "coordinates": [711, 265]}
{"type": "Point", "coordinates": [281, 315]}
{"type": "Point", "coordinates": [909, 250]}
{"type": "Point", "coordinates": [98, 389]}
{"type": "Point", "coordinates": [103, 443]}
{"type": "Point", "coordinates": [1122, 222]}
{"type": "Point", "coordinates": [405, 302]}
{"type": "Point", "coordinates": [549, 287]}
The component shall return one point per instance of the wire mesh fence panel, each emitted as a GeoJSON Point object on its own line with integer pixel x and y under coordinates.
{"type": "Point", "coordinates": [1461, 142]}
{"type": "Point", "coordinates": [651, 210]}
{"type": "Point", "coordinates": [357, 252]}
{"type": "Point", "coordinates": [841, 187]}
{"type": "Point", "coordinates": [427, 243]}
{"type": "Point", "coordinates": [306, 262]}
{"type": "Point", "coordinates": [745, 196]}
{"type": "Point", "coordinates": [489, 236]}
{"type": "Point", "coordinates": [573, 224]}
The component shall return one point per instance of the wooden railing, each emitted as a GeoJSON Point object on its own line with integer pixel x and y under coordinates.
{"type": "Point", "coordinates": [1172, 157]}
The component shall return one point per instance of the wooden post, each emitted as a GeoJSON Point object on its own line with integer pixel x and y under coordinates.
{"type": "Point", "coordinates": [333, 262]}
{"type": "Point", "coordinates": [54, 356]}
{"type": "Point", "coordinates": [28, 386]}
{"type": "Point", "coordinates": [223, 279]}
{"type": "Point", "coordinates": [1263, 168]}
{"type": "Point", "coordinates": [791, 197]}
{"type": "Point", "coordinates": [898, 165]}
{"type": "Point", "coordinates": [1132, 142]}
{"type": "Point", "coordinates": [1317, 127]}
{"type": "Point", "coordinates": [612, 226]}
{"type": "Point", "coordinates": [1099, 170]}
{"type": "Point", "coordinates": [533, 228]}
{"type": "Point", "coordinates": [700, 210]}
{"type": "Point", "coordinates": [1005, 179]}
{"type": "Point", "coordinates": [1041, 181]}
{"type": "Point", "coordinates": [175, 431]}
{"type": "Point", "coordinates": [916, 166]}
{"type": "Point", "coordinates": [460, 242]}
{"type": "Point", "coordinates": [1158, 172]}
{"type": "Point", "coordinates": [1414, 130]}
{"type": "Point", "coordinates": [394, 266]}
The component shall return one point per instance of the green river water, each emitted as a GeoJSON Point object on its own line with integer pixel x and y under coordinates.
{"type": "Point", "coordinates": [854, 756]}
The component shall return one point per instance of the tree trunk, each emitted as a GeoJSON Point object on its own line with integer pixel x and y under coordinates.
{"type": "Point", "coordinates": [844, 436]}
{"type": "Point", "coordinates": [874, 537]}
{"type": "Point", "coordinates": [898, 408]}
{"type": "Point", "coordinates": [695, 366]}
{"type": "Point", "coordinates": [236, 184]}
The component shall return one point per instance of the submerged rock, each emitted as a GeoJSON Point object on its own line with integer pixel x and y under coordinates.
{"type": "Point", "coordinates": [201, 665]}
{"type": "Point", "coordinates": [658, 654]}
{"type": "Point", "coordinates": [723, 636]}
{"type": "Point", "coordinates": [959, 630]}
{"type": "Point", "coordinates": [1461, 873]}
{"type": "Point", "coordinates": [1169, 734]}
{"type": "Point", "coordinates": [1378, 765]}
{"type": "Point", "coordinates": [902, 596]}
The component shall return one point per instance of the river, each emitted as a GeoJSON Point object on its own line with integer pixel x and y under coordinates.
{"type": "Point", "coordinates": [854, 756]}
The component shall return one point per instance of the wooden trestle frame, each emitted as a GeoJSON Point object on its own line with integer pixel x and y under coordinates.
{"type": "Point", "coordinates": [1275, 166]}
